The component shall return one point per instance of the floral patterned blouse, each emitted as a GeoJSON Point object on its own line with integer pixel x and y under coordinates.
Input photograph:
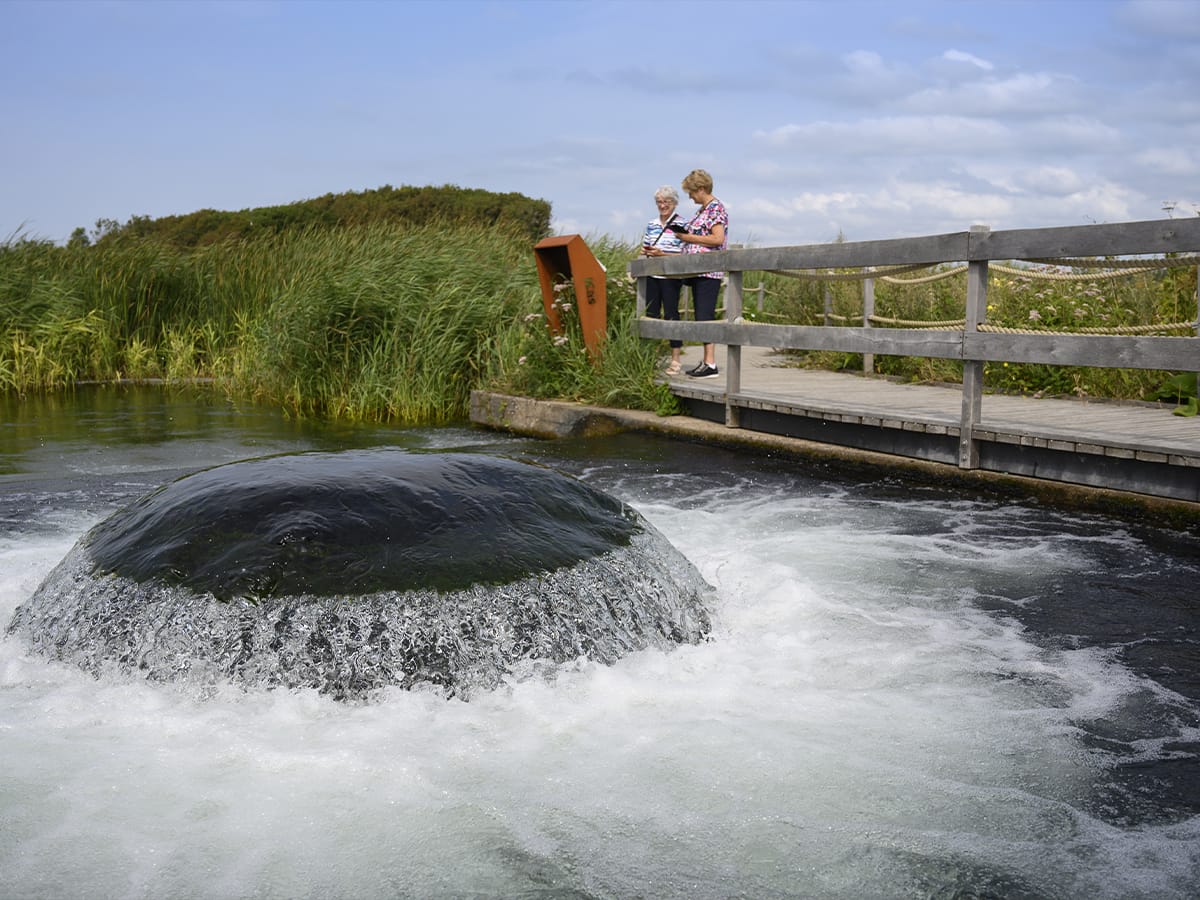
{"type": "Point", "coordinates": [703, 222]}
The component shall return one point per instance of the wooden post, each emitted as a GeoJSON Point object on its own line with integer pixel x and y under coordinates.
{"type": "Point", "coordinates": [733, 352]}
{"type": "Point", "coordinates": [641, 296]}
{"type": "Point", "coordinates": [972, 389]}
{"type": "Point", "coordinates": [762, 292]}
{"type": "Point", "coordinates": [868, 311]}
{"type": "Point", "coordinates": [828, 304]}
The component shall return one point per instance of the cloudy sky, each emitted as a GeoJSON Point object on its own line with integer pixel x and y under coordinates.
{"type": "Point", "coordinates": [865, 118]}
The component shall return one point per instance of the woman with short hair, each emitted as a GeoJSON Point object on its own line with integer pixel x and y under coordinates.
{"type": "Point", "coordinates": [706, 231]}
{"type": "Point", "coordinates": [662, 293]}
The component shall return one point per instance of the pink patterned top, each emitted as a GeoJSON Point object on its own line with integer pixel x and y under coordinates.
{"type": "Point", "coordinates": [702, 223]}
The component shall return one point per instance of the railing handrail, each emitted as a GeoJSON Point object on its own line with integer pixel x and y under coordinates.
{"type": "Point", "coordinates": [1119, 239]}
{"type": "Point", "coordinates": [973, 346]}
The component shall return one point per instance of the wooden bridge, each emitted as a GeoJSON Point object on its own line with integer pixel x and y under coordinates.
{"type": "Point", "coordinates": [1141, 448]}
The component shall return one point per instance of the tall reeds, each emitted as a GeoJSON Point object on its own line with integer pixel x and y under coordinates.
{"type": "Point", "coordinates": [382, 322]}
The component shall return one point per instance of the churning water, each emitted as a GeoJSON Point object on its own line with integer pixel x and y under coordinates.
{"type": "Point", "coordinates": [907, 693]}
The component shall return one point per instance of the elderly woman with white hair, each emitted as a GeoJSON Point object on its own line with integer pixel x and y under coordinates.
{"type": "Point", "coordinates": [662, 294]}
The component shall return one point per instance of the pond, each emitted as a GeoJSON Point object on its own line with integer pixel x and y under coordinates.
{"type": "Point", "coordinates": [906, 692]}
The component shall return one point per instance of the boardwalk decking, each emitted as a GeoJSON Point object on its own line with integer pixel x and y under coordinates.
{"type": "Point", "coordinates": [1136, 447]}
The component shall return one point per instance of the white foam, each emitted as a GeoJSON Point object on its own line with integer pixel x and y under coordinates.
{"type": "Point", "coordinates": [856, 728]}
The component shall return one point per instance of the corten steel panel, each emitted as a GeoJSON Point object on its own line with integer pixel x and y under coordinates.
{"type": "Point", "coordinates": [568, 258]}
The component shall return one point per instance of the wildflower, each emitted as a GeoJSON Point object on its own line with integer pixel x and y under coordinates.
{"type": "Point", "coordinates": [565, 307]}
{"type": "Point", "coordinates": [560, 287]}
{"type": "Point", "coordinates": [560, 340]}
{"type": "Point", "coordinates": [1035, 316]}
{"type": "Point", "coordinates": [522, 360]}
{"type": "Point", "coordinates": [533, 317]}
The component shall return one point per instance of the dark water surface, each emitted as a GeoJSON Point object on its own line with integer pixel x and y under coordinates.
{"type": "Point", "coordinates": [909, 692]}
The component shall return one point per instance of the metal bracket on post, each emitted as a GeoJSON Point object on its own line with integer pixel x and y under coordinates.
{"type": "Point", "coordinates": [733, 352]}
{"type": "Point", "coordinates": [972, 389]}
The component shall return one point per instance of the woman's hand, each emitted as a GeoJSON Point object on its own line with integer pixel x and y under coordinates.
{"type": "Point", "coordinates": [716, 239]}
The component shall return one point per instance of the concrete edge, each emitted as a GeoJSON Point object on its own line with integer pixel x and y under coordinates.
{"type": "Point", "coordinates": [555, 419]}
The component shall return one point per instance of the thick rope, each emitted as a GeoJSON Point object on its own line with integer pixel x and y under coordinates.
{"type": "Point", "coordinates": [938, 276]}
{"type": "Point", "coordinates": [1074, 276]}
{"type": "Point", "coordinates": [847, 276]}
{"type": "Point", "coordinates": [1166, 263]}
{"type": "Point", "coordinates": [954, 324]}
{"type": "Point", "coordinates": [1124, 267]}
{"type": "Point", "coordinates": [1118, 329]}
{"type": "Point", "coordinates": [945, 325]}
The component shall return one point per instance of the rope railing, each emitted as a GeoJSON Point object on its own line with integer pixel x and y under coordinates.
{"type": "Point", "coordinates": [1115, 268]}
{"type": "Point", "coordinates": [1116, 329]}
{"type": "Point", "coordinates": [1121, 268]}
{"type": "Point", "coordinates": [927, 279]}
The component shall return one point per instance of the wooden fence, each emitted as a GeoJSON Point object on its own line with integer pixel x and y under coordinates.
{"type": "Point", "coordinates": [973, 344]}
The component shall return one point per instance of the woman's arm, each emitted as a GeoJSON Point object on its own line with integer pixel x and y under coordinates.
{"type": "Point", "coordinates": [716, 239]}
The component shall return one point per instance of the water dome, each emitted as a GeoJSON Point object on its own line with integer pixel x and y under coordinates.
{"type": "Point", "coordinates": [354, 571]}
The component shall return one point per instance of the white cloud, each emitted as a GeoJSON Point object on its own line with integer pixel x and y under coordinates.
{"type": "Point", "coordinates": [1021, 94]}
{"type": "Point", "coordinates": [1075, 134]}
{"type": "Point", "coordinates": [1017, 179]}
{"type": "Point", "coordinates": [937, 135]}
{"type": "Point", "coordinates": [963, 57]}
{"type": "Point", "coordinates": [864, 61]}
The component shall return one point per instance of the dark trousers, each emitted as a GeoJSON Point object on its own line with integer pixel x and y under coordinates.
{"type": "Point", "coordinates": [662, 300]}
{"type": "Point", "coordinates": [704, 297]}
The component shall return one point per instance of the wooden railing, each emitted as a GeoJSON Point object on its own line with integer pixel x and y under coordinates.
{"type": "Point", "coordinates": [977, 248]}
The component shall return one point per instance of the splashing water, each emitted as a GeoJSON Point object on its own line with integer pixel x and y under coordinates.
{"type": "Point", "coordinates": [888, 707]}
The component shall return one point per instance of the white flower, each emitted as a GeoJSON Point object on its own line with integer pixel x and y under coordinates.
{"type": "Point", "coordinates": [522, 360]}
{"type": "Point", "coordinates": [560, 340]}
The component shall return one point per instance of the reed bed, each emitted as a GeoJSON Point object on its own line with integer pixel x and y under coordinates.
{"type": "Point", "coordinates": [383, 322]}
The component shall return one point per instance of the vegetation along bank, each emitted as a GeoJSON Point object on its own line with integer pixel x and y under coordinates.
{"type": "Point", "coordinates": [394, 304]}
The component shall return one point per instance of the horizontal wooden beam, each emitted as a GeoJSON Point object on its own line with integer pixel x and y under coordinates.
{"type": "Point", "coordinates": [1119, 239]}
{"type": "Point", "coordinates": [1102, 351]}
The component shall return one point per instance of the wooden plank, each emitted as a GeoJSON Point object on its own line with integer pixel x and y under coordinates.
{"type": "Point", "coordinates": [1117, 430]}
{"type": "Point", "coordinates": [1122, 238]}
{"type": "Point", "coordinates": [1111, 351]}
{"type": "Point", "coordinates": [850, 254]}
{"type": "Point", "coordinates": [1118, 239]}
{"type": "Point", "coordinates": [891, 341]}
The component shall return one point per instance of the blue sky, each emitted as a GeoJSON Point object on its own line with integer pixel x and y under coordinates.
{"type": "Point", "coordinates": [866, 119]}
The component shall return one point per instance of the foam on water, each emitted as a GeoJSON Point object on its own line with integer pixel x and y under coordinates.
{"type": "Point", "coordinates": [858, 727]}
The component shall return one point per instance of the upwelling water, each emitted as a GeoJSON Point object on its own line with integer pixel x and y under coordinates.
{"type": "Point", "coordinates": [908, 693]}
